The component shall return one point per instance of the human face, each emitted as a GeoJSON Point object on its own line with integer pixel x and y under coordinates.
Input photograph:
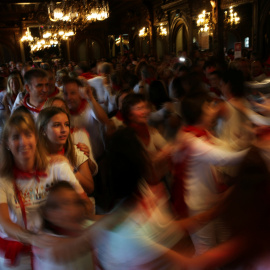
{"type": "Point", "coordinates": [38, 90]}
{"type": "Point", "coordinates": [14, 85]}
{"type": "Point", "coordinates": [72, 96]}
{"type": "Point", "coordinates": [67, 210]}
{"type": "Point", "coordinates": [22, 144]}
{"type": "Point", "coordinates": [139, 113]}
{"type": "Point", "coordinates": [57, 129]}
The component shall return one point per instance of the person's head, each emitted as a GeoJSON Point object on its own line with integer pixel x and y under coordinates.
{"type": "Point", "coordinates": [195, 108]}
{"type": "Point", "coordinates": [106, 68]}
{"type": "Point", "coordinates": [135, 109]}
{"type": "Point", "coordinates": [177, 87]}
{"type": "Point", "coordinates": [14, 84]}
{"type": "Point", "coordinates": [158, 94]}
{"type": "Point", "coordinates": [64, 209]}
{"type": "Point", "coordinates": [51, 81]}
{"type": "Point", "coordinates": [233, 84]}
{"type": "Point", "coordinates": [71, 87]}
{"type": "Point", "coordinates": [37, 85]}
{"type": "Point", "coordinates": [20, 144]}
{"type": "Point", "coordinates": [128, 163]}
{"type": "Point", "coordinates": [256, 68]}
{"type": "Point", "coordinates": [4, 70]}
{"type": "Point", "coordinates": [56, 101]}
{"type": "Point", "coordinates": [53, 126]}
{"type": "Point", "coordinates": [19, 66]}
{"type": "Point", "coordinates": [215, 78]}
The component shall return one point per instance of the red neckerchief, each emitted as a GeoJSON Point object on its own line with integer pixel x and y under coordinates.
{"type": "Point", "coordinates": [119, 116]}
{"type": "Point", "coordinates": [13, 248]}
{"type": "Point", "coordinates": [88, 75]}
{"type": "Point", "coordinates": [27, 106]}
{"type": "Point", "coordinates": [62, 152]}
{"type": "Point", "coordinates": [80, 109]}
{"type": "Point", "coordinates": [198, 132]}
{"type": "Point", "coordinates": [19, 174]}
{"type": "Point", "coordinates": [149, 80]}
{"type": "Point", "coordinates": [142, 132]}
{"type": "Point", "coordinates": [54, 93]}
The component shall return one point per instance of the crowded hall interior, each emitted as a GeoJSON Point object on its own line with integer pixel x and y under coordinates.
{"type": "Point", "coordinates": [134, 134]}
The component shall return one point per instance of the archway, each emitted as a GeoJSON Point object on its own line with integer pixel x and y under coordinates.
{"type": "Point", "coordinates": [180, 36]}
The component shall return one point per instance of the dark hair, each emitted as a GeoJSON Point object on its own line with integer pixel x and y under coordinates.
{"type": "Point", "coordinates": [128, 162]}
{"type": "Point", "coordinates": [49, 204]}
{"type": "Point", "coordinates": [68, 80]}
{"type": "Point", "coordinates": [129, 101]}
{"type": "Point", "coordinates": [191, 107]}
{"type": "Point", "coordinates": [157, 94]}
{"type": "Point", "coordinates": [235, 79]}
{"type": "Point", "coordinates": [177, 87]}
{"type": "Point", "coordinates": [34, 73]}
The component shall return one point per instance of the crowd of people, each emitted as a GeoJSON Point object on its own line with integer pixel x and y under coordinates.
{"type": "Point", "coordinates": [130, 163]}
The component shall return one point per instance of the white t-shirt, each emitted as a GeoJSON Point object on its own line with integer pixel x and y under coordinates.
{"type": "Point", "coordinates": [82, 136]}
{"type": "Point", "coordinates": [34, 194]}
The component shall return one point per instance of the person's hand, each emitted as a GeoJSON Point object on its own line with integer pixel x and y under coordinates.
{"type": "Point", "coordinates": [84, 148]}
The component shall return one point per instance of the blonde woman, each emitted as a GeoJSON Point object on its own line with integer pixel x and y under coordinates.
{"type": "Point", "coordinates": [26, 176]}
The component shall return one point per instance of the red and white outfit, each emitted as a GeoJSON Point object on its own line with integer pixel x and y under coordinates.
{"type": "Point", "coordinates": [85, 118]}
{"type": "Point", "coordinates": [82, 136]}
{"type": "Point", "coordinates": [25, 99]}
{"type": "Point", "coordinates": [33, 190]}
{"type": "Point", "coordinates": [198, 182]}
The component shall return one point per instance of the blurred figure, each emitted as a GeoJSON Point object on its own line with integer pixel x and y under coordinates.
{"type": "Point", "coordinates": [65, 215]}
{"type": "Point", "coordinates": [257, 71]}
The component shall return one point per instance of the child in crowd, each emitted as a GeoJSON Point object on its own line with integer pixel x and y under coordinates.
{"type": "Point", "coordinates": [65, 215]}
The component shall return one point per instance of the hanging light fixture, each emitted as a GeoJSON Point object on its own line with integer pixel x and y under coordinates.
{"type": "Point", "coordinates": [231, 18]}
{"type": "Point", "coordinates": [78, 12]}
{"type": "Point", "coordinates": [204, 21]}
{"type": "Point", "coordinates": [162, 31]}
{"type": "Point", "coordinates": [143, 32]}
{"type": "Point", "coordinates": [27, 36]}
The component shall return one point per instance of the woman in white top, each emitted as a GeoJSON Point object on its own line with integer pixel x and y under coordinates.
{"type": "Point", "coordinates": [53, 126]}
{"type": "Point", "coordinates": [26, 177]}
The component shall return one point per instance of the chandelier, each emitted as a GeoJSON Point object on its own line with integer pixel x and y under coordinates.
{"type": "Point", "coordinates": [162, 31]}
{"type": "Point", "coordinates": [231, 18]}
{"type": "Point", "coordinates": [204, 21]}
{"type": "Point", "coordinates": [78, 12]}
{"type": "Point", "coordinates": [27, 36]}
{"type": "Point", "coordinates": [143, 32]}
{"type": "Point", "coordinates": [50, 37]}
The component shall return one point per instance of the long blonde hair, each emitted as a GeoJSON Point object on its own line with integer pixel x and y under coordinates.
{"type": "Point", "coordinates": [43, 119]}
{"type": "Point", "coordinates": [20, 121]}
{"type": "Point", "coordinates": [16, 77]}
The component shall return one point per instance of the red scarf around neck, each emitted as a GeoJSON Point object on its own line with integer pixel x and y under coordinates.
{"type": "Point", "coordinates": [19, 174]}
{"type": "Point", "coordinates": [80, 109]}
{"type": "Point", "coordinates": [33, 109]}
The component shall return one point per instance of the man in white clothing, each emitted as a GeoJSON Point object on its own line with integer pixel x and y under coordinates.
{"type": "Point", "coordinates": [36, 84]}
